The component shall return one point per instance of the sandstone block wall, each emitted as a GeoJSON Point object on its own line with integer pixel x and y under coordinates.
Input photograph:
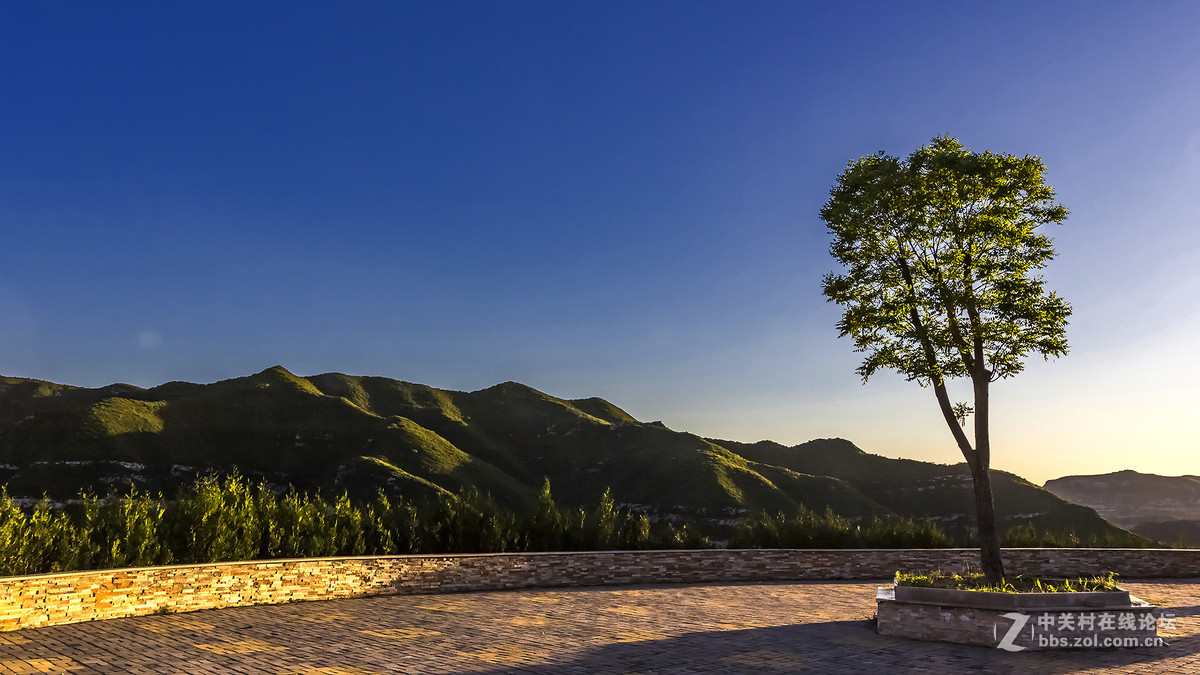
{"type": "Point", "coordinates": [51, 599]}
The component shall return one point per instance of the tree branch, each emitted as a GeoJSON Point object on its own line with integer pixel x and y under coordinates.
{"type": "Point", "coordinates": [935, 373]}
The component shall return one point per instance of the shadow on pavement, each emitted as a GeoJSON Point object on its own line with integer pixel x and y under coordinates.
{"type": "Point", "coordinates": [839, 647]}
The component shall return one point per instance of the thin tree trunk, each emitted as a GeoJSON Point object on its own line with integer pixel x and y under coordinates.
{"type": "Point", "coordinates": [981, 476]}
{"type": "Point", "coordinates": [979, 461]}
{"type": "Point", "coordinates": [979, 457]}
{"type": "Point", "coordinates": [985, 520]}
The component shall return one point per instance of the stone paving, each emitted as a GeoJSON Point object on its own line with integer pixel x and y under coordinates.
{"type": "Point", "coordinates": [800, 627]}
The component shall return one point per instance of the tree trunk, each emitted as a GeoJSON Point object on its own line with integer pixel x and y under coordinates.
{"type": "Point", "coordinates": [979, 457]}
{"type": "Point", "coordinates": [981, 476]}
{"type": "Point", "coordinates": [985, 520]}
{"type": "Point", "coordinates": [979, 460]}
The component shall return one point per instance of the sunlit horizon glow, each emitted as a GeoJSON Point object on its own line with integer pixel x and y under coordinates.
{"type": "Point", "coordinates": [615, 201]}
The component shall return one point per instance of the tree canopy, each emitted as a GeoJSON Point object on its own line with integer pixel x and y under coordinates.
{"type": "Point", "coordinates": [941, 251]}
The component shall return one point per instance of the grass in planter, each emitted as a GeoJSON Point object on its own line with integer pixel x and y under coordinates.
{"type": "Point", "coordinates": [971, 581]}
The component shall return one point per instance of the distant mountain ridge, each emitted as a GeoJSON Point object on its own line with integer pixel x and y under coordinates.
{"type": "Point", "coordinates": [1133, 500]}
{"type": "Point", "coordinates": [340, 432]}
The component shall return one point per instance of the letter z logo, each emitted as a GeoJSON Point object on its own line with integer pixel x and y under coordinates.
{"type": "Point", "coordinates": [1019, 620]}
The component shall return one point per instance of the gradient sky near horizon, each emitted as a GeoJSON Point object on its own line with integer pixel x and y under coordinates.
{"type": "Point", "coordinates": [611, 199]}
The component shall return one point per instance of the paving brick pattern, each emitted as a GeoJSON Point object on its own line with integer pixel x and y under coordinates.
{"type": "Point", "coordinates": [785, 627]}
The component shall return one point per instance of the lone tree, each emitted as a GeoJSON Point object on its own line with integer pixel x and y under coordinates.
{"type": "Point", "coordinates": [941, 252]}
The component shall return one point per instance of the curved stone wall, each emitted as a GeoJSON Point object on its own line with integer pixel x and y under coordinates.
{"type": "Point", "coordinates": [52, 599]}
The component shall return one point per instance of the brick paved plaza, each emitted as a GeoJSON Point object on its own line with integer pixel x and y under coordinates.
{"type": "Point", "coordinates": [819, 627]}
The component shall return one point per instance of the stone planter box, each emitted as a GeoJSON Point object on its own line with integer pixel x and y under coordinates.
{"type": "Point", "coordinates": [1018, 621]}
{"type": "Point", "coordinates": [1012, 601]}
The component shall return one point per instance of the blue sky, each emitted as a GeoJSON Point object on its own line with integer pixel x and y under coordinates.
{"type": "Point", "coordinates": [595, 199]}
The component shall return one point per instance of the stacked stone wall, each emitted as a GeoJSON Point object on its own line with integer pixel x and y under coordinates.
{"type": "Point", "coordinates": [52, 599]}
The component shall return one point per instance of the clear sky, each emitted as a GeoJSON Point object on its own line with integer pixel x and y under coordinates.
{"type": "Point", "coordinates": [613, 199]}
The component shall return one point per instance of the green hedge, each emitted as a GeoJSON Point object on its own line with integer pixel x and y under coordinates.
{"type": "Point", "coordinates": [224, 519]}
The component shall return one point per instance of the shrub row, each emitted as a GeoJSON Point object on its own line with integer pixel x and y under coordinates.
{"type": "Point", "coordinates": [808, 529]}
{"type": "Point", "coordinates": [216, 519]}
{"type": "Point", "coordinates": [225, 519]}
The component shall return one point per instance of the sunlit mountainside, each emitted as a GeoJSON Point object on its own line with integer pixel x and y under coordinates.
{"type": "Point", "coordinates": [337, 433]}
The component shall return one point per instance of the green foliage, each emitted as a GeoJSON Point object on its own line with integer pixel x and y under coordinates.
{"type": "Point", "coordinates": [548, 525]}
{"type": "Point", "coordinates": [391, 527]}
{"type": "Point", "coordinates": [127, 530]}
{"type": "Point", "coordinates": [469, 522]}
{"type": "Point", "coordinates": [941, 252]}
{"type": "Point", "coordinates": [1029, 536]}
{"type": "Point", "coordinates": [683, 537]}
{"type": "Point", "coordinates": [122, 416]}
{"type": "Point", "coordinates": [303, 524]}
{"type": "Point", "coordinates": [602, 523]}
{"type": "Point", "coordinates": [634, 532]}
{"type": "Point", "coordinates": [969, 581]}
{"type": "Point", "coordinates": [334, 433]}
{"type": "Point", "coordinates": [921, 490]}
{"type": "Point", "coordinates": [217, 520]}
{"type": "Point", "coordinates": [901, 532]}
{"type": "Point", "coordinates": [805, 528]}
{"type": "Point", "coordinates": [363, 433]}
{"type": "Point", "coordinates": [220, 519]}
{"type": "Point", "coordinates": [40, 540]}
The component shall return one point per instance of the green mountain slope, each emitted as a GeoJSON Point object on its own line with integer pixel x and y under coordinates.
{"type": "Point", "coordinates": [337, 431]}
{"type": "Point", "coordinates": [341, 432]}
{"type": "Point", "coordinates": [928, 490]}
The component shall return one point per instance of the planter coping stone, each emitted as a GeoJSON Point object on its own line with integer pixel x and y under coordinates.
{"type": "Point", "coordinates": [949, 597]}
